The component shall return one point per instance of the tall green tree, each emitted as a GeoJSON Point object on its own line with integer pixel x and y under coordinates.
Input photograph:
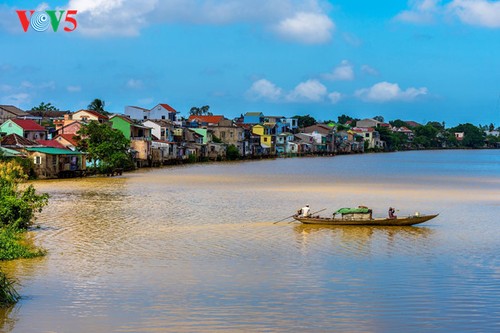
{"type": "Point", "coordinates": [398, 123]}
{"type": "Point", "coordinates": [44, 107]}
{"type": "Point", "coordinates": [474, 137]}
{"type": "Point", "coordinates": [200, 111]}
{"type": "Point", "coordinates": [106, 147]}
{"type": "Point", "coordinates": [305, 121]}
{"type": "Point", "coordinates": [344, 119]}
{"type": "Point", "coordinates": [97, 105]}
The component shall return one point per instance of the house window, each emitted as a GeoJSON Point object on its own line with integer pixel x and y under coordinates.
{"type": "Point", "coordinates": [54, 160]}
{"type": "Point", "coordinates": [145, 117]}
{"type": "Point", "coordinates": [265, 139]}
{"type": "Point", "coordinates": [37, 160]}
{"type": "Point", "coordinates": [163, 117]}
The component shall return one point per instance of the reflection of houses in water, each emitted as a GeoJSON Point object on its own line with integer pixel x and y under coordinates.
{"type": "Point", "coordinates": [356, 239]}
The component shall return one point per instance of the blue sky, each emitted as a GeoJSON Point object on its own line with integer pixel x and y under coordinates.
{"type": "Point", "coordinates": [416, 60]}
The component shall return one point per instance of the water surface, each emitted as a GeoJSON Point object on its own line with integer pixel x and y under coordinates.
{"type": "Point", "coordinates": [195, 249]}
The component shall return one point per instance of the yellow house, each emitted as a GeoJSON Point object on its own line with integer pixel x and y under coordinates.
{"type": "Point", "coordinates": [266, 139]}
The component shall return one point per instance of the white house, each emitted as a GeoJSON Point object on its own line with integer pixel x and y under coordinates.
{"type": "Point", "coordinates": [136, 112]}
{"type": "Point", "coordinates": [163, 111]}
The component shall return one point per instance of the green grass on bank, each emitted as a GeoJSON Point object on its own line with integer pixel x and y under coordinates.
{"type": "Point", "coordinates": [13, 245]}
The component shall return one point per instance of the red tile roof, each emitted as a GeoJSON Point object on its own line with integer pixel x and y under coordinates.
{"type": "Point", "coordinates": [71, 138]}
{"type": "Point", "coordinates": [28, 125]}
{"type": "Point", "coordinates": [206, 119]}
{"type": "Point", "coordinates": [12, 140]}
{"type": "Point", "coordinates": [168, 107]}
{"type": "Point", "coordinates": [50, 143]}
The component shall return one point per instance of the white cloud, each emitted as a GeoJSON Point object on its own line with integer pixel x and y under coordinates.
{"type": "Point", "coordinates": [307, 28]}
{"type": "Point", "coordinates": [477, 12]}
{"type": "Point", "coordinates": [18, 99]}
{"type": "Point", "coordinates": [135, 84]}
{"type": "Point", "coordinates": [368, 70]}
{"type": "Point", "coordinates": [264, 89]}
{"type": "Point", "coordinates": [73, 89]}
{"type": "Point", "coordinates": [309, 91]}
{"type": "Point", "coordinates": [335, 97]}
{"type": "Point", "coordinates": [299, 21]}
{"type": "Point", "coordinates": [422, 11]}
{"type": "Point", "coordinates": [343, 72]}
{"type": "Point", "coordinates": [388, 92]}
{"type": "Point", "coordinates": [483, 13]}
{"type": "Point", "coordinates": [112, 17]}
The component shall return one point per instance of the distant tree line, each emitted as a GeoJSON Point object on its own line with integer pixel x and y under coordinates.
{"type": "Point", "coordinates": [432, 135]}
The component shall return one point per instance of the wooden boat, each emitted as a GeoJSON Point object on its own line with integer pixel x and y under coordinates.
{"type": "Point", "coordinates": [398, 221]}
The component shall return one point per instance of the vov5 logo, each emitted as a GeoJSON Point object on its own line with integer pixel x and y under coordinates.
{"type": "Point", "coordinates": [40, 20]}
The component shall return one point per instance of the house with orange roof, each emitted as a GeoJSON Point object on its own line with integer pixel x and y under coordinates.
{"type": "Point", "coordinates": [204, 121]}
{"type": "Point", "coordinates": [161, 111]}
{"type": "Point", "coordinates": [17, 142]}
{"type": "Point", "coordinates": [25, 128]}
{"type": "Point", "coordinates": [68, 126]}
{"type": "Point", "coordinates": [51, 143]}
{"type": "Point", "coordinates": [89, 115]}
{"type": "Point", "coordinates": [67, 140]}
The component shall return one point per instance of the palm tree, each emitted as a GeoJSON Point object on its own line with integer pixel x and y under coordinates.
{"type": "Point", "coordinates": [97, 105]}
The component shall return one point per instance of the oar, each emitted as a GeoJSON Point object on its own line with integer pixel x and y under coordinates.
{"type": "Point", "coordinates": [286, 218]}
{"type": "Point", "coordinates": [319, 211]}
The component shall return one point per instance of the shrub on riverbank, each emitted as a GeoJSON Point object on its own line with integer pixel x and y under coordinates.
{"type": "Point", "coordinates": [17, 206]}
{"type": "Point", "coordinates": [17, 212]}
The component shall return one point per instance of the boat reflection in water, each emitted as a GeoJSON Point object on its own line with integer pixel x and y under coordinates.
{"type": "Point", "coordinates": [361, 239]}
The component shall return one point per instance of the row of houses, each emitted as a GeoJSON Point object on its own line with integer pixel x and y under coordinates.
{"type": "Point", "coordinates": [158, 137]}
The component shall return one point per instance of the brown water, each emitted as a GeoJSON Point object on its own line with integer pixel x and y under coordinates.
{"type": "Point", "coordinates": [195, 249]}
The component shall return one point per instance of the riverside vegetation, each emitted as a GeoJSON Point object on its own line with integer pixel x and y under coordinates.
{"type": "Point", "coordinates": [18, 205]}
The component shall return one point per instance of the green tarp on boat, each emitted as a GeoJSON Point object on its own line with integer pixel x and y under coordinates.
{"type": "Point", "coordinates": [353, 211]}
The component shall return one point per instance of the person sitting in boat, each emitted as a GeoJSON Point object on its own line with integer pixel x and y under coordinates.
{"type": "Point", "coordinates": [305, 211]}
{"type": "Point", "coordinates": [392, 212]}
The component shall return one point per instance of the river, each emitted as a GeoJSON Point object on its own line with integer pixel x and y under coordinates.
{"type": "Point", "coordinates": [195, 248]}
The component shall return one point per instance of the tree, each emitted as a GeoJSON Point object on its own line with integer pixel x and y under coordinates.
{"type": "Point", "coordinates": [305, 121]}
{"type": "Point", "coordinates": [196, 111]}
{"type": "Point", "coordinates": [398, 123]}
{"type": "Point", "coordinates": [44, 107]}
{"type": "Point", "coordinates": [474, 137]}
{"type": "Point", "coordinates": [379, 118]}
{"type": "Point", "coordinates": [17, 206]}
{"type": "Point", "coordinates": [107, 147]}
{"type": "Point", "coordinates": [491, 127]}
{"type": "Point", "coordinates": [393, 141]}
{"type": "Point", "coordinates": [232, 153]}
{"type": "Point", "coordinates": [97, 105]}
{"type": "Point", "coordinates": [344, 119]}
{"type": "Point", "coordinates": [436, 124]}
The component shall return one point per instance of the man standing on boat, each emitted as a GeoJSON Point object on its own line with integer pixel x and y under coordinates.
{"type": "Point", "coordinates": [392, 212]}
{"type": "Point", "coordinates": [306, 211]}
